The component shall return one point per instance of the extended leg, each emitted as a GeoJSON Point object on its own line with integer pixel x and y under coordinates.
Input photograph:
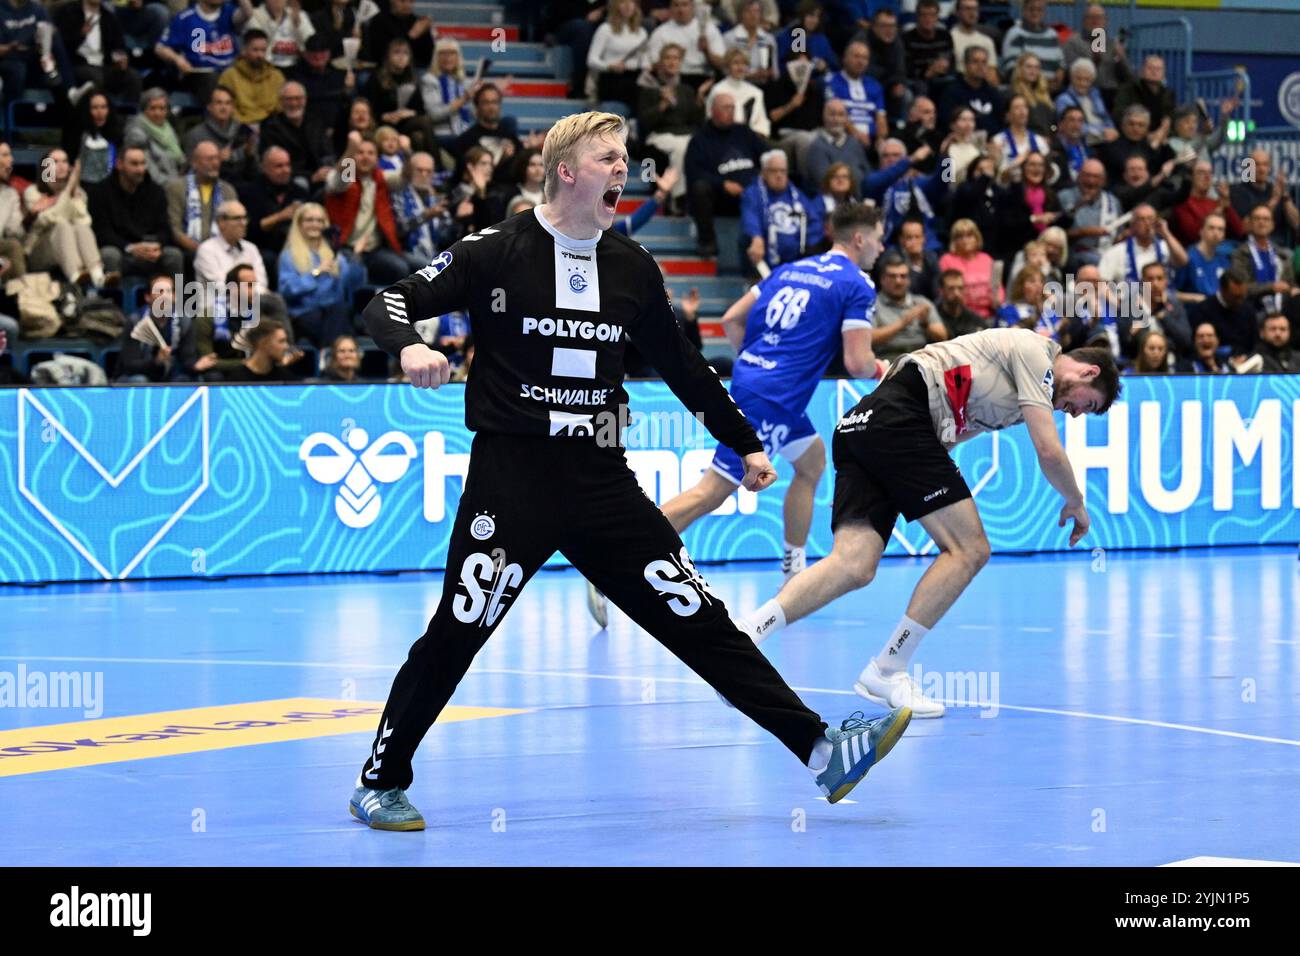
{"type": "Point", "coordinates": [703, 498]}
{"type": "Point", "coordinates": [798, 506]}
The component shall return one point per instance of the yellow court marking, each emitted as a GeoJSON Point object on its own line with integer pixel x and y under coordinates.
{"type": "Point", "coordinates": [116, 739]}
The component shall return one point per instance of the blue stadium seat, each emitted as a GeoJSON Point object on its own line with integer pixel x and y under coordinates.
{"type": "Point", "coordinates": [31, 112]}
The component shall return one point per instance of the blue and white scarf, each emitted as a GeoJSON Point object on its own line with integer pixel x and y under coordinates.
{"type": "Point", "coordinates": [194, 208]}
{"type": "Point", "coordinates": [1134, 273]}
{"type": "Point", "coordinates": [1013, 151]}
{"type": "Point", "coordinates": [450, 89]}
{"type": "Point", "coordinates": [1267, 269]}
{"type": "Point", "coordinates": [423, 238]}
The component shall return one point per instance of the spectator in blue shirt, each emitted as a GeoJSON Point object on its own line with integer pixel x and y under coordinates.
{"type": "Point", "coordinates": [201, 42]}
{"type": "Point", "coordinates": [778, 222]}
{"type": "Point", "coordinates": [860, 93]}
{"type": "Point", "coordinates": [1207, 260]}
{"type": "Point", "coordinates": [812, 40]}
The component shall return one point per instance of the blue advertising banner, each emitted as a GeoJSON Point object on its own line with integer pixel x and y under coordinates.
{"type": "Point", "coordinates": [147, 482]}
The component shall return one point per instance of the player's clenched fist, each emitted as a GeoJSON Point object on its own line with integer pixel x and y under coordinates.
{"type": "Point", "coordinates": [759, 472]}
{"type": "Point", "coordinates": [425, 367]}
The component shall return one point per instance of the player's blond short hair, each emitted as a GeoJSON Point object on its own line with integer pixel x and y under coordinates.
{"type": "Point", "coordinates": [566, 137]}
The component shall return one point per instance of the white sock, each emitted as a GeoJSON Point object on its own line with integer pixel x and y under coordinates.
{"type": "Point", "coordinates": [764, 622]}
{"type": "Point", "coordinates": [794, 559]}
{"type": "Point", "coordinates": [897, 652]}
{"type": "Point", "coordinates": [821, 756]}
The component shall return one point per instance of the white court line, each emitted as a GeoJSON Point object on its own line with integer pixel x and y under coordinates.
{"type": "Point", "coordinates": [1037, 630]}
{"type": "Point", "coordinates": [1226, 861]}
{"type": "Point", "coordinates": [641, 679]}
{"type": "Point", "coordinates": [975, 627]}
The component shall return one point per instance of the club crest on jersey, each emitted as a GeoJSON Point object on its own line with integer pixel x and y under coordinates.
{"type": "Point", "coordinates": [482, 527]}
{"type": "Point", "coordinates": [440, 262]}
{"type": "Point", "coordinates": [578, 282]}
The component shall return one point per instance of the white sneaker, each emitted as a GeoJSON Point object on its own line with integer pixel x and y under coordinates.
{"type": "Point", "coordinates": [792, 563]}
{"type": "Point", "coordinates": [597, 605]}
{"type": "Point", "coordinates": [895, 690]}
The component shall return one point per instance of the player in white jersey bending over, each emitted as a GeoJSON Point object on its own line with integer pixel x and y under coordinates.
{"type": "Point", "coordinates": [786, 330]}
{"type": "Point", "coordinates": [891, 455]}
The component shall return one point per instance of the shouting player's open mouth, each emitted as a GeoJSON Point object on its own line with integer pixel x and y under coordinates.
{"type": "Point", "coordinates": [610, 197]}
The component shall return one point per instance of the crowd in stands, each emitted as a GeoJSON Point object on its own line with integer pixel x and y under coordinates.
{"type": "Point", "coordinates": [292, 156]}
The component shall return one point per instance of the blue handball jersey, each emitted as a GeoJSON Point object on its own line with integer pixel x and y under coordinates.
{"type": "Point", "coordinates": [794, 328]}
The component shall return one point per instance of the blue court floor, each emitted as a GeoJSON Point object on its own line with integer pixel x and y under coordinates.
{"type": "Point", "coordinates": [1134, 709]}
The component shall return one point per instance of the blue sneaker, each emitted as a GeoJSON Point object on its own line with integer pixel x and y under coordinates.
{"type": "Point", "coordinates": [859, 745]}
{"type": "Point", "coordinates": [385, 809]}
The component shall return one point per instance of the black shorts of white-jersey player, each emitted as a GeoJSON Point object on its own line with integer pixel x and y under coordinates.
{"type": "Point", "coordinates": [889, 460]}
{"type": "Point", "coordinates": [856, 234]}
{"type": "Point", "coordinates": [552, 296]}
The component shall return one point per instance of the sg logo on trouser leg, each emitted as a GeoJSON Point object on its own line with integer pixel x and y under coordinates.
{"type": "Point", "coordinates": [677, 581]}
{"type": "Point", "coordinates": [480, 606]}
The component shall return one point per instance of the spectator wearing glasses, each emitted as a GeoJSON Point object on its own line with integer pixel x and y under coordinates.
{"type": "Point", "coordinates": [217, 256]}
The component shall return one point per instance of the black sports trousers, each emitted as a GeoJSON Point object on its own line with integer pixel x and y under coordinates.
{"type": "Point", "coordinates": [525, 498]}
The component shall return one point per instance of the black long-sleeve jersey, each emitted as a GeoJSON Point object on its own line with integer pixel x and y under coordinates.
{"type": "Point", "coordinates": [551, 317]}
